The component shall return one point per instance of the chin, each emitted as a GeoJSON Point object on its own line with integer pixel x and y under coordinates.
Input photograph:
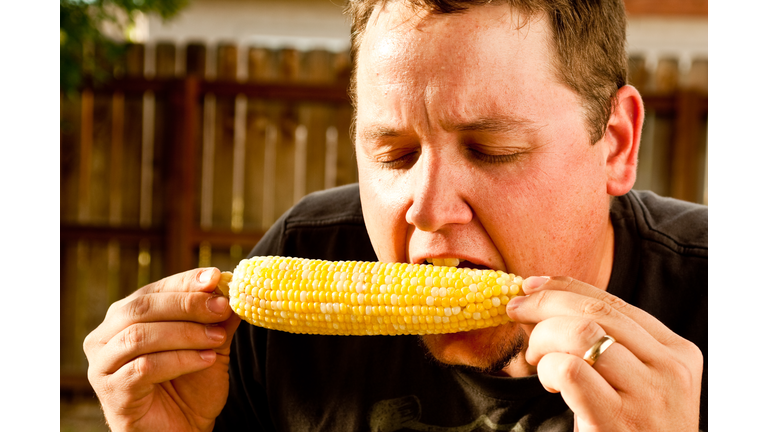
{"type": "Point", "coordinates": [486, 350]}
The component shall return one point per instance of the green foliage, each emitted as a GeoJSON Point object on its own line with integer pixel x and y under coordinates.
{"type": "Point", "coordinates": [85, 52]}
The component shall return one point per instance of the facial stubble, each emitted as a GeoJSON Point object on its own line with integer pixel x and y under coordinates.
{"type": "Point", "coordinates": [490, 361]}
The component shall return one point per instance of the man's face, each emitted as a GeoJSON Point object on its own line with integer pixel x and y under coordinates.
{"type": "Point", "coordinates": [469, 148]}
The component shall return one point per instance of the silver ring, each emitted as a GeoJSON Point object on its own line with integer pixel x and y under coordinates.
{"type": "Point", "coordinates": [597, 349]}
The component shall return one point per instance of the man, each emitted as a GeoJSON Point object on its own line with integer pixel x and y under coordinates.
{"type": "Point", "coordinates": [498, 133]}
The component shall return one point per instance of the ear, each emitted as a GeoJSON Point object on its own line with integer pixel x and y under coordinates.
{"type": "Point", "coordinates": [622, 141]}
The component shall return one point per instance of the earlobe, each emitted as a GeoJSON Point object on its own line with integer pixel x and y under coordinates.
{"type": "Point", "coordinates": [622, 141]}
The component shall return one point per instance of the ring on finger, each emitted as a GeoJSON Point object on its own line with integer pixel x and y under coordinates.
{"type": "Point", "coordinates": [597, 349]}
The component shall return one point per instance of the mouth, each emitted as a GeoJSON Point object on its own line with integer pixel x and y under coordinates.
{"type": "Point", "coordinates": [455, 262]}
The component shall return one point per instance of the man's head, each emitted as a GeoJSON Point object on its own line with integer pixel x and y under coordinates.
{"type": "Point", "coordinates": [471, 145]}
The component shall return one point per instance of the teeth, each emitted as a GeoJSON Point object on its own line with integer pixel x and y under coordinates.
{"type": "Point", "coordinates": [449, 262]}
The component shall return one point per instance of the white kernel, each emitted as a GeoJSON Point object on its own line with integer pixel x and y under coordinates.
{"type": "Point", "coordinates": [428, 281]}
{"type": "Point", "coordinates": [456, 310]}
{"type": "Point", "coordinates": [476, 316]}
{"type": "Point", "coordinates": [323, 309]}
{"type": "Point", "coordinates": [435, 292]}
{"type": "Point", "coordinates": [504, 290]}
{"type": "Point", "coordinates": [442, 292]}
{"type": "Point", "coordinates": [368, 310]}
{"type": "Point", "coordinates": [430, 301]}
{"type": "Point", "coordinates": [495, 301]}
{"type": "Point", "coordinates": [445, 319]}
{"type": "Point", "coordinates": [447, 311]}
{"type": "Point", "coordinates": [335, 308]}
{"type": "Point", "coordinates": [303, 296]}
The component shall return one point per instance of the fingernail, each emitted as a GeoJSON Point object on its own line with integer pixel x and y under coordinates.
{"type": "Point", "coordinates": [215, 333]}
{"type": "Point", "coordinates": [206, 276]}
{"type": "Point", "coordinates": [515, 302]}
{"type": "Point", "coordinates": [208, 355]}
{"type": "Point", "coordinates": [534, 282]}
{"type": "Point", "coordinates": [217, 304]}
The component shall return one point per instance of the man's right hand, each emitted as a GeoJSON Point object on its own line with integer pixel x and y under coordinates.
{"type": "Point", "coordinates": [160, 359]}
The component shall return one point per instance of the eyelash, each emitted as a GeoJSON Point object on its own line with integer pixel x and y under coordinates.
{"type": "Point", "coordinates": [400, 162]}
{"type": "Point", "coordinates": [492, 159]}
{"type": "Point", "coordinates": [475, 154]}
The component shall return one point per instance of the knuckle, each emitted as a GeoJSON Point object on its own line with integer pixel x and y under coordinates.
{"type": "Point", "coordinates": [144, 365]}
{"type": "Point", "coordinates": [187, 304]}
{"type": "Point", "coordinates": [134, 336]}
{"type": "Point", "coordinates": [586, 330]}
{"type": "Point", "coordinates": [569, 370]}
{"type": "Point", "coordinates": [616, 303]}
{"type": "Point", "coordinates": [596, 308]}
{"type": "Point", "coordinates": [139, 307]}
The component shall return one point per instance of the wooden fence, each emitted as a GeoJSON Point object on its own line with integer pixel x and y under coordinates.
{"type": "Point", "coordinates": [191, 153]}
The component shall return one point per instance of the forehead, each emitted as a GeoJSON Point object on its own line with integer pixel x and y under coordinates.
{"type": "Point", "coordinates": [400, 33]}
{"type": "Point", "coordinates": [469, 64]}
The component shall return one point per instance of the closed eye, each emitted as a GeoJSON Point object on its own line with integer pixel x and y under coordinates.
{"type": "Point", "coordinates": [487, 158]}
{"type": "Point", "coordinates": [398, 161]}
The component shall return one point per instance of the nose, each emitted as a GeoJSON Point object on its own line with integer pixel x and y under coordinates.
{"type": "Point", "coordinates": [437, 199]}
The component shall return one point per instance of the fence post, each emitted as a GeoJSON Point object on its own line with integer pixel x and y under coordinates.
{"type": "Point", "coordinates": [182, 168]}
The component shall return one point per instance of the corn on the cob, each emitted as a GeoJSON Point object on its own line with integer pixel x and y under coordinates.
{"type": "Point", "coordinates": [367, 298]}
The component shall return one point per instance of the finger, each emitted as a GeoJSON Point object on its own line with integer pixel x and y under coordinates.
{"type": "Point", "coordinates": [574, 336]}
{"type": "Point", "coordinates": [588, 395]}
{"type": "Point", "coordinates": [164, 307]}
{"type": "Point", "coordinates": [653, 326]}
{"type": "Point", "coordinates": [229, 326]}
{"type": "Point", "coordinates": [197, 280]}
{"type": "Point", "coordinates": [146, 338]}
{"type": "Point", "coordinates": [137, 377]}
{"type": "Point", "coordinates": [546, 304]}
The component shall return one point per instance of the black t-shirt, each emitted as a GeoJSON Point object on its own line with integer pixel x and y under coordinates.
{"type": "Point", "coordinates": [288, 382]}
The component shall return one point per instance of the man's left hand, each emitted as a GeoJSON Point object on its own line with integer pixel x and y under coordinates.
{"type": "Point", "coordinates": [649, 379]}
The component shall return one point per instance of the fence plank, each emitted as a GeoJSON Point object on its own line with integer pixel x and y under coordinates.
{"type": "Point", "coordinates": [667, 76]}
{"type": "Point", "coordinates": [697, 78]}
{"type": "Point", "coordinates": [195, 59]}
{"type": "Point", "coordinates": [224, 136]}
{"type": "Point", "coordinates": [165, 63]}
{"type": "Point", "coordinates": [99, 196]}
{"type": "Point", "coordinates": [262, 66]}
{"type": "Point", "coordinates": [69, 150]}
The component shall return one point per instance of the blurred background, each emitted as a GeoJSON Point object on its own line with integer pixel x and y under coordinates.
{"type": "Point", "coordinates": [189, 126]}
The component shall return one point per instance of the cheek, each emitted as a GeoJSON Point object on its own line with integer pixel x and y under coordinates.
{"type": "Point", "coordinates": [545, 217]}
{"type": "Point", "coordinates": [385, 201]}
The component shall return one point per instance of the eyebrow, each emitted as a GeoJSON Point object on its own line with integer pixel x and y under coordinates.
{"type": "Point", "coordinates": [506, 125]}
{"type": "Point", "coordinates": [503, 125]}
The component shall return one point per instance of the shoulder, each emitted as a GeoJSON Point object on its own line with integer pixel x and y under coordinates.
{"type": "Point", "coordinates": [325, 225]}
{"type": "Point", "coordinates": [677, 225]}
{"type": "Point", "coordinates": [337, 205]}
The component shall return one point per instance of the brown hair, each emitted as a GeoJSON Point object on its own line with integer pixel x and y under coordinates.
{"type": "Point", "coordinates": [589, 37]}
